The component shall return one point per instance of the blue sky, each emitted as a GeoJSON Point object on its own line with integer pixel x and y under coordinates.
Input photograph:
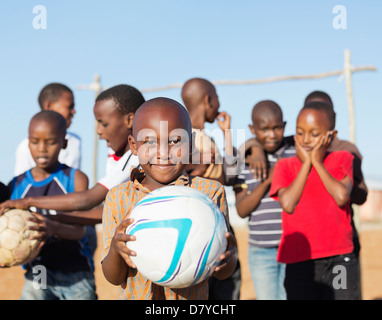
{"type": "Point", "coordinates": [155, 43]}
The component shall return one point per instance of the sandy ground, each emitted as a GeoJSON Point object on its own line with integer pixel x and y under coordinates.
{"type": "Point", "coordinates": [11, 279]}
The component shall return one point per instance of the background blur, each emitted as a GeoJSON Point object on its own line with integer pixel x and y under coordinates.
{"type": "Point", "coordinates": [155, 43]}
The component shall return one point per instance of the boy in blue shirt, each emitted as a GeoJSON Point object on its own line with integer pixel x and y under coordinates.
{"type": "Point", "coordinates": [65, 255]}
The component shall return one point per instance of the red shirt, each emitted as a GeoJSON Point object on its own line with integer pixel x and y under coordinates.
{"type": "Point", "coordinates": [318, 227]}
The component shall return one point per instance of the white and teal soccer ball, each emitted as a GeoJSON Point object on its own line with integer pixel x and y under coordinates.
{"type": "Point", "coordinates": [180, 234]}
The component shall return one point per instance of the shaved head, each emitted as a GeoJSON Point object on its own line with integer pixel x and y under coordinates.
{"type": "Point", "coordinates": [195, 90]}
{"type": "Point", "coordinates": [265, 108]}
{"type": "Point", "coordinates": [162, 140]}
{"type": "Point", "coordinates": [54, 119]}
{"type": "Point", "coordinates": [162, 109]}
{"type": "Point", "coordinates": [200, 98]}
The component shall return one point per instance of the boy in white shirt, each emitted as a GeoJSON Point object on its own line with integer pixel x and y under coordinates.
{"type": "Point", "coordinates": [59, 98]}
{"type": "Point", "coordinates": [114, 111]}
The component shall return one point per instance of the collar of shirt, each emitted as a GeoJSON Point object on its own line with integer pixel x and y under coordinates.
{"type": "Point", "coordinates": [137, 175]}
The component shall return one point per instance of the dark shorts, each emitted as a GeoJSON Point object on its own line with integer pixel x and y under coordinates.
{"type": "Point", "coordinates": [332, 278]}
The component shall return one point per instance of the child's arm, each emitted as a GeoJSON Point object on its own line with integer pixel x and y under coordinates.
{"type": "Point", "coordinates": [83, 200]}
{"type": "Point", "coordinates": [61, 230]}
{"type": "Point", "coordinates": [47, 227]}
{"type": "Point", "coordinates": [256, 158]}
{"type": "Point", "coordinates": [224, 122]}
{"type": "Point", "coordinates": [89, 217]}
{"type": "Point", "coordinates": [117, 261]}
{"type": "Point", "coordinates": [81, 181]}
{"type": "Point", "coordinates": [246, 203]}
{"type": "Point", "coordinates": [339, 190]}
{"type": "Point", "coordinates": [228, 259]}
{"type": "Point", "coordinates": [290, 196]}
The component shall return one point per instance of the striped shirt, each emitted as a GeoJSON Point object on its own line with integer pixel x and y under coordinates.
{"type": "Point", "coordinates": [265, 220]}
{"type": "Point", "coordinates": [118, 202]}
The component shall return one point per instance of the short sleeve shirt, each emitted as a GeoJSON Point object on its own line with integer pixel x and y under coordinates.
{"type": "Point", "coordinates": [318, 227]}
{"type": "Point", "coordinates": [117, 204]}
{"type": "Point", "coordinates": [265, 220]}
{"type": "Point", "coordinates": [119, 169]}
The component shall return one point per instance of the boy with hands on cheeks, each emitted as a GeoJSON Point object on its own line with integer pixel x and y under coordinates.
{"type": "Point", "coordinates": [314, 191]}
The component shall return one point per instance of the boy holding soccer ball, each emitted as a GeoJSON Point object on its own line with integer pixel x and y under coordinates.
{"type": "Point", "coordinates": [161, 140]}
{"type": "Point", "coordinates": [65, 256]}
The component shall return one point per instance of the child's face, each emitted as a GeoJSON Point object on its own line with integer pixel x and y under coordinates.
{"type": "Point", "coordinates": [269, 131]}
{"type": "Point", "coordinates": [45, 144]}
{"type": "Point", "coordinates": [112, 126]}
{"type": "Point", "coordinates": [162, 142]}
{"type": "Point", "coordinates": [64, 106]}
{"type": "Point", "coordinates": [310, 127]}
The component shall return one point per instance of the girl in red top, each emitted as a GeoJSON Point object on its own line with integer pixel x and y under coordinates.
{"type": "Point", "coordinates": [314, 189]}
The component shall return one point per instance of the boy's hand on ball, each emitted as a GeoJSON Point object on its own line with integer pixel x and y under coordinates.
{"type": "Point", "coordinates": [228, 259]}
{"type": "Point", "coordinates": [18, 204]}
{"type": "Point", "coordinates": [119, 242]}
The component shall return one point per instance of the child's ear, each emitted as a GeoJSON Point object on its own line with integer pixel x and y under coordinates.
{"type": "Point", "coordinates": [65, 143]}
{"type": "Point", "coordinates": [206, 101]}
{"type": "Point", "coordinates": [133, 146]}
{"type": "Point", "coordinates": [252, 128]}
{"type": "Point", "coordinates": [46, 105]}
{"type": "Point", "coordinates": [129, 120]}
{"type": "Point", "coordinates": [334, 134]}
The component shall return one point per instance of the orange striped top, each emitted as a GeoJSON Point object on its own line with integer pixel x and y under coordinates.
{"type": "Point", "coordinates": [118, 202]}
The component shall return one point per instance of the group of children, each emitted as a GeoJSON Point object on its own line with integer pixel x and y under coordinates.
{"type": "Point", "coordinates": [296, 190]}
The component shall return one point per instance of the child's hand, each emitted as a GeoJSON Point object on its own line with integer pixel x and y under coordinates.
{"type": "Point", "coordinates": [302, 154]}
{"type": "Point", "coordinates": [318, 152]}
{"type": "Point", "coordinates": [228, 259]}
{"type": "Point", "coordinates": [224, 121]}
{"type": "Point", "coordinates": [118, 243]}
{"type": "Point", "coordinates": [42, 225]}
{"type": "Point", "coordinates": [10, 204]}
{"type": "Point", "coordinates": [258, 163]}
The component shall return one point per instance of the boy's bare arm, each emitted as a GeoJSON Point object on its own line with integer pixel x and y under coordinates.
{"type": "Point", "coordinates": [246, 203]}
{"type": "Point", "coordinates": [290, 196]}
{"type": "Point", "coordinates": [256, 159]}
{"type": "Point", "coordinates": [48, 228]}
{"type": "Point", "coordinates": [89, 217]}
{"type": "Point", "coordinates": [339, 190]}
{"type": "Point", "coordinates": [224, 122]}
{"type": "Point", "coordinates": [117, 262]}
{"type": "Point", "coordinates": [81, 181]}
{"type": "Point", "coordinates": [83, 200]}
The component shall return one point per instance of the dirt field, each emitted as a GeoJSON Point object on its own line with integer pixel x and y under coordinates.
{"type": "Point", "coordinates": [11, 279]}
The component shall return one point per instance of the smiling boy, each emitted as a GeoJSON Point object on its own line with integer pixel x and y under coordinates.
{"type": "Point", "coordinates": [161, 140]}
{"type": "Point", "coordinates": [253, 201]}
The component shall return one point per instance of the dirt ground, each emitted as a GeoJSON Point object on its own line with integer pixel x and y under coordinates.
{"type": "Point", "coordinates": [11, 279]}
